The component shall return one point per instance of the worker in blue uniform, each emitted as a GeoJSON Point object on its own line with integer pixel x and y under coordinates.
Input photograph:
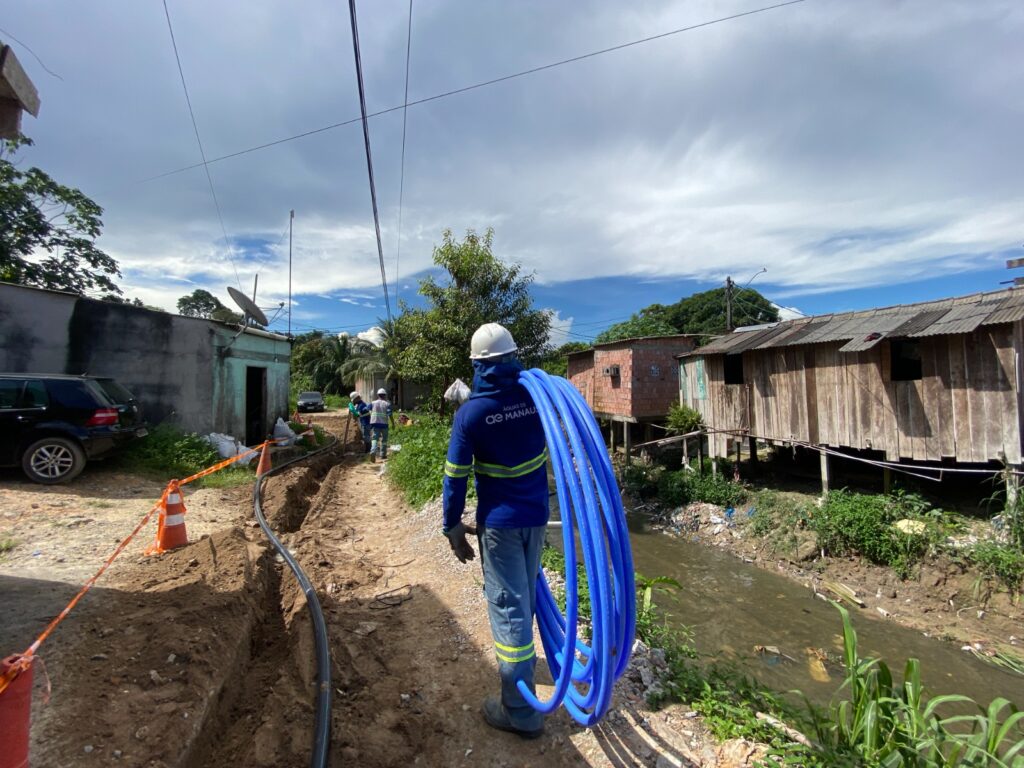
{"type": "Point", "coordinates": [361, 411]}
{"type": "Point", "coordinates": [498, 436]}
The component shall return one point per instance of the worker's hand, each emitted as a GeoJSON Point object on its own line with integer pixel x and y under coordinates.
{"type": "Point", "coordinates": [460, 547]}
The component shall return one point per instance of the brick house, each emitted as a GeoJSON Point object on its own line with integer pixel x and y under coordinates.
{"type": "Point", "coordinates": [630, 381]}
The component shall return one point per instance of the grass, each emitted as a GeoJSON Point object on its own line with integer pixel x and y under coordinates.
{"type": "Point", "coordinates": [7, 545]}
{"type": "Point", "coordinates": [167, 452]}
{"type": "Point", "coordinates": [418, 469]}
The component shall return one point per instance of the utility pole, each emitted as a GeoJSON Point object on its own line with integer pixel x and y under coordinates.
{"type": "Point", "coordinates": [728, 303]}
{"type": "Point", "coordinates": [291, 218]}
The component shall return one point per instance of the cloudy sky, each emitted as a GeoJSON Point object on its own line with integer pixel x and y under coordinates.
{"type": "Point", "coordinates": [866, 153]}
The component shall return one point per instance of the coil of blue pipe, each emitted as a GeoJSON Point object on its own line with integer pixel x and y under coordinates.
{"type": "Point", "coordinates": [590, 504]}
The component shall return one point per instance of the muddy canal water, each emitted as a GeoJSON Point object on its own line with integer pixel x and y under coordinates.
{"type": "Point", "coordinates": [732, 607]}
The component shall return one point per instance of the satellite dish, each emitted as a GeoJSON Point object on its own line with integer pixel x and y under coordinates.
{"type": "Point", "coordinates": [248, 307]}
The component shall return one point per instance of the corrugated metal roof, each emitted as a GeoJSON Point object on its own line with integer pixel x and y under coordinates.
{"type": "Point", "coordinates": [862, 330]}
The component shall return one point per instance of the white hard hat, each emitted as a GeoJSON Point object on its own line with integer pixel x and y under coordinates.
{"type": "Point", "coordinates": [491, 340]}
{"type": "Point", "coordinates": [353, 396]}
{"type": "Point", "coordinates": [382, 391]}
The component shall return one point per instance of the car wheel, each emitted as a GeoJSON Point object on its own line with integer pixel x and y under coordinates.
{"type": "Point", "coordinates": [53, 460]}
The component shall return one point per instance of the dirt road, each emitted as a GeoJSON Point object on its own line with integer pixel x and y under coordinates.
{"type": "Point", "coordinates": [204, 656]}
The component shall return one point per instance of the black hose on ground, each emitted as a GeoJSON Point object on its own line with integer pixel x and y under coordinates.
{"type": "Point", "coordinates": [322, 727]}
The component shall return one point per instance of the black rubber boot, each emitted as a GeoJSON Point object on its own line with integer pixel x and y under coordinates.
{"type": "Point", "coordinates": [496, 716]}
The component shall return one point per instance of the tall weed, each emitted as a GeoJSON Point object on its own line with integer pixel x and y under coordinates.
{"type": "Point", "coordinates": [417, 470]}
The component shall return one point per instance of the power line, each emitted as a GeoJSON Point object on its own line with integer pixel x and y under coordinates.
{"type": "Point", "coordinates": [401, 185]}
{"type": "Point", "coordinates": [34, 55]}
{"type": "Point", "coordinates": [199, 141]}
{"type": "Point", "coordinates": [475, 86]}
{"type": "Point", "coordinates": [369, 157]}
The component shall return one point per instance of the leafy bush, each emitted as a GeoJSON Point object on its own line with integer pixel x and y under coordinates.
{"type": "Point", "coordinates": [684, 486]}
{"type": "Point", "coordinates": [854, 523]}
{"type": "Point", "coordinates": [639, 479]}
{"type": "Point", "coordinates": [1000, 562]}
{"type": "Point", "coordinates": [683, 419]}
{"type": "Point", "coordinates": [418, 469]}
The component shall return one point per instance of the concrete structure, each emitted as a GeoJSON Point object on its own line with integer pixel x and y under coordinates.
{"type": "Point", "coordinates": [926, 382]}
{"type": "Point", "coordinates": [17, 94]}
{"type": "Point", "coordinates": [200, 375]}
{"type": "Point", "coordinates": [405, 395]}
{"type": "Point", "coordinates": [630, 380]}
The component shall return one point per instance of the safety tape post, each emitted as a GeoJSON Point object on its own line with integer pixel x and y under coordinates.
{"type": "Point", "coordinates": [25, 659]}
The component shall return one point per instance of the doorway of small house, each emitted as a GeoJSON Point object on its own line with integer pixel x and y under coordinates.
{"type": "Point", "coordinates": [255, 404]}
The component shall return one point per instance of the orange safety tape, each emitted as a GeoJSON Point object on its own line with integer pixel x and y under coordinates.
{"type": "Point", "coordinates": [26, 658]}
{"type": "Point", "coordinates": [28, 654]}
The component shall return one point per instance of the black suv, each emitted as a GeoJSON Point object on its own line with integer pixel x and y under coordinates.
{"type": "Point", "coordinates": [51, 424]}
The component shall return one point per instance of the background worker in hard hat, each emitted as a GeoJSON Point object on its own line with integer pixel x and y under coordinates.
{"type": "Point", "coordinates": [380, 418]}
{"type": "Point", "coordinates": [361, 411]}
{"type": "Point", "coordinates": [498, 435]}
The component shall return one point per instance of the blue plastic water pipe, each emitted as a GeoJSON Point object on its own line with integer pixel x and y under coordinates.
{"type": "Point", "coordinates": [589, 500]}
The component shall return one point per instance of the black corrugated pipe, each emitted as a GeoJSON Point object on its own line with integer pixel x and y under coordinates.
{"type": "Point", "coordinates": [322, 727]}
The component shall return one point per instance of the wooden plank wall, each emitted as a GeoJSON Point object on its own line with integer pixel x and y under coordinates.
{"type": "Point", "coordinates": [966, 406]}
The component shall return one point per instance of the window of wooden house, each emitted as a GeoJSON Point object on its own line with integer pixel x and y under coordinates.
{"type": "Point", "coordinates": [905, 360]}
{"type": "Point", "coordinates": [734, 369]}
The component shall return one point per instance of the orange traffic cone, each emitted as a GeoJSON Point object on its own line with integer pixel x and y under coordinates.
{"type": "Point", "coordinates": [297, 416]}
{"type": "Point", "coordinates": [264, 466]}
{"type": "Point", "coordinates": [170, 532]}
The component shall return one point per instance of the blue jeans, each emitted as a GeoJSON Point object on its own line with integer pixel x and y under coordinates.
{"type": "Point", "coordinates": [510, 558]}
{"type": "Point", "coordinates": [380, 442]}
{"type": "Point", "coordinates": [365, 429]}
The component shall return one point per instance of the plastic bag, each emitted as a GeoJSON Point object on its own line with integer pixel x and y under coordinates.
{"type": "Point", "coordinates": [283, 434]}
{"type": "Point", "coordinates": [227, 446]}
{"type": "Point", "coordinates": [458, 392]}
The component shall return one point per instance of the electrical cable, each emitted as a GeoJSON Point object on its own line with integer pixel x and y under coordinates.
{"type": "Point", "coordinates": [369, 156]}
{"type": "Point", "coordinates": [590, 502]}
{"type": "Point", "coordinates": [401, 184]}
{"type": "Point", "coordinates": [322, 710]}
{"type": "Point", "coordinates": [199, 141]}
{"type": "Point", "coordinates": [475, 86]}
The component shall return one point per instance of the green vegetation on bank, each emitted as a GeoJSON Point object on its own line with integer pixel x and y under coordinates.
{"type": "Point", "coordinates": [417, 470]}
{"type": "Point", "coordinates": [898, 530]}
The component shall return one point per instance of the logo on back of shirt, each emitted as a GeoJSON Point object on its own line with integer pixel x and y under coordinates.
{"type": "Point", "coordinates": [511, 413]}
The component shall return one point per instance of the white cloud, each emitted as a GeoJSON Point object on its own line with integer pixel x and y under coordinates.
{"type": "Point", "coordinates": [560, 329]}
{"type": "Point", "coordinates": [841, 144]}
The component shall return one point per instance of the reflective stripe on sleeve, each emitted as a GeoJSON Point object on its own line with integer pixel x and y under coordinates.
{"type": "Point", "coordinates": [457, 470]}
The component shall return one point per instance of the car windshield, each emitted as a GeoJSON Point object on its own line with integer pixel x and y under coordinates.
{"type": "Point", "coordinates": [310, 396]}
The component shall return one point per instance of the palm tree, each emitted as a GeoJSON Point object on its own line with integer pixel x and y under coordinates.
{"type": "Point", "coordinates": [373, 358]}
{"type": "Point", "coordinates": [328, 372]}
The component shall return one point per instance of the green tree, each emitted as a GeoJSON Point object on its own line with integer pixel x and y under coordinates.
{"type": "Point", "coordinates": [202, 303]}
{"type": "Point", "coordinates": [557, 362]}
{"type": "Point", "coordinates": [318, 364]}
{"type": "Point", "coordinates": [702, 314]}
{"type": "Point", "coordinates": [638, 325]}
{"type": "Point", "coordinates": [479, 288]}
{"type": "Point", "coordinates": [367, 359]}
{"type": "Point", "coordinates": [48, 231]}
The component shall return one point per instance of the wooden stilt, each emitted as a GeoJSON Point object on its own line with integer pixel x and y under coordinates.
{"type": "Point", "coordinates": [752, 444]}
{"type": "Point", "coordinates": [611, 437]}
{"type": "Point", "coordinates": [824, 472]}
{"type": "Point", "coordinates": [886, 480]}
{"type": "Point", "coordinates": [627, 442]}
{"type": "Point", "coordinates": [686, 452]}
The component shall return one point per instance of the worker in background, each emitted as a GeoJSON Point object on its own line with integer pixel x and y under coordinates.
{"type": "Point", "coordinates": [498, 435]}
{"type": "Point", "coordinates": [380, 418]}
{"type": "Point", "coordinates": [361, 411]}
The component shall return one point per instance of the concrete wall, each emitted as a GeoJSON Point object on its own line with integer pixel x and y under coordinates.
{"type": "Point", "coordinates": [171, 363]}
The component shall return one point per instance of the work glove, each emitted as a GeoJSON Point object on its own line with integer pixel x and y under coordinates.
{"type": "Point", "coordinates": [457, 538]}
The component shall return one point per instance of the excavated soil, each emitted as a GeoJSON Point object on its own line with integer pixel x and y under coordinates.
{"type": "Point", "coordinates": [204, 656]}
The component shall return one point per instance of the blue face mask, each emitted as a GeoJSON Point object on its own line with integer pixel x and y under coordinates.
{"type": "Point", "coordinates": [490, 376]}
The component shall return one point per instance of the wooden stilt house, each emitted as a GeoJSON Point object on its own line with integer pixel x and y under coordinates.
{"type": "Point", "coordinates": [926, 382]}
